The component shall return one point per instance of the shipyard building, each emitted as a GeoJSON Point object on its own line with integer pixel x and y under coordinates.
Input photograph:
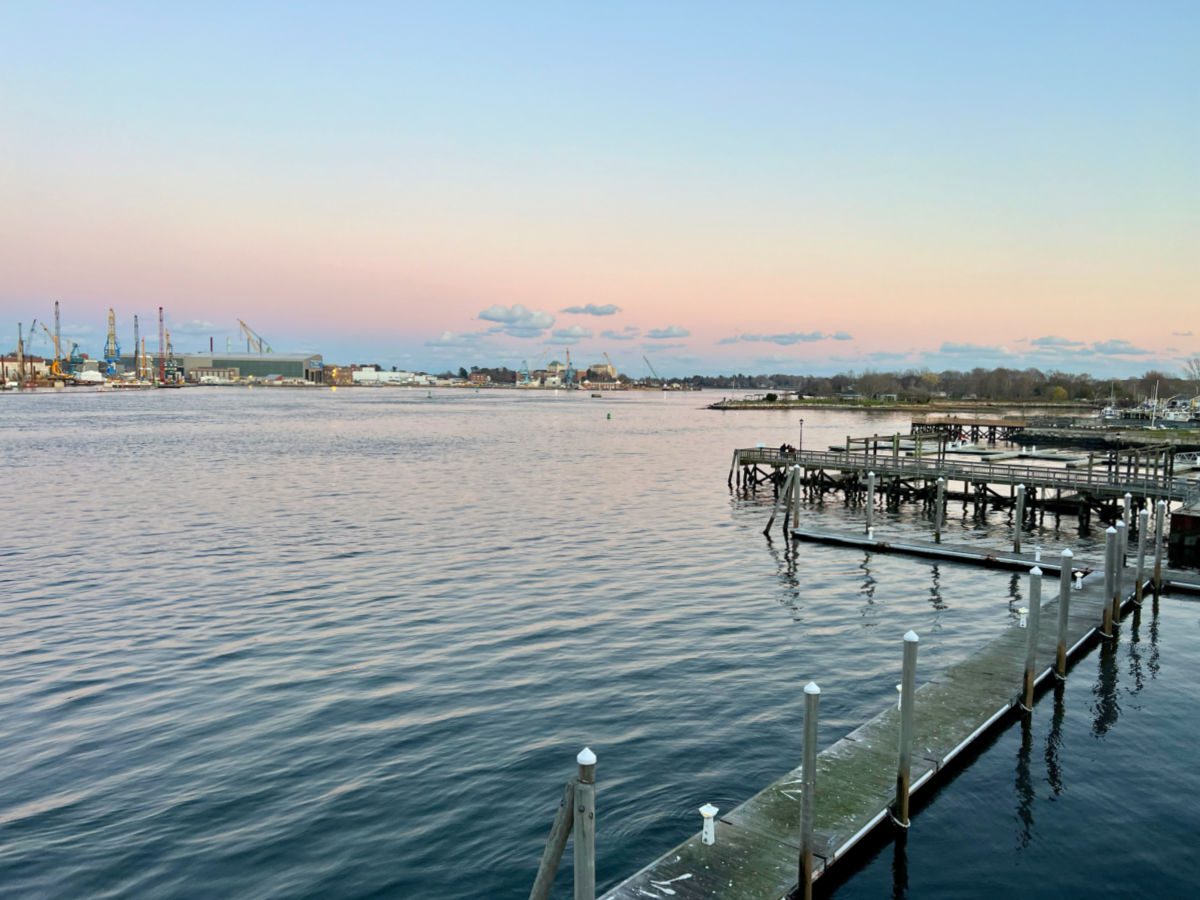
{"type": "Point", "coordinates": [199, 367]}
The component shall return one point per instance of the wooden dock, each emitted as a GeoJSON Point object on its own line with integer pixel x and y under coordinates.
{"type": "Point", "coordinates": [758, 842]}
{"type": "Point", "coordinates": [1152, 484]}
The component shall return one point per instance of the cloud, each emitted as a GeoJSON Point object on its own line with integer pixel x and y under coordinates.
{"type": "Point", "coordinates": [886, 356]}
{"type": "Point", "coordinates": [663, 347]}
{"type": "Point", "coordinates": [666, 334]}
{"type": "Point", "coordinates": [1181, 333]}
{"type": "Point", "coordinates": [592, 309]}
{"type": "Point", "coordinates": [950, 348]}
{"type": "Point", "coordinates": [573, 334]}
{"type": "Point", "coordinates": [517, 320]}
{"type": "Point", "coordinates": [626, 335]}
{"type": "Point", "coordinates": [1052, 341]}
{"type": "Point", "coordinates": [1119, 348]}
{"type": "Point", "coordinates": [789, 338]}
{"type": "Point", "coordinates": [450, 339]}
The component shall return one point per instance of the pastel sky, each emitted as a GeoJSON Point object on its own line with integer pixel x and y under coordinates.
{"type": "Point", "coordinates": [756, 187]}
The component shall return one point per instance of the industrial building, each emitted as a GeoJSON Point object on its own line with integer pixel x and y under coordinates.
{"type": "Point", "coordinates": [243, 366]}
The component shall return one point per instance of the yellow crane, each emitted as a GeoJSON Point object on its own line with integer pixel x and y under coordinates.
{"type": "Point", "coordinates": [56, 368]}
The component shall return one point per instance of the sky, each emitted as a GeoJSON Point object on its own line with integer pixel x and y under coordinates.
{"type": "Point", "coordinates": [737, 187]}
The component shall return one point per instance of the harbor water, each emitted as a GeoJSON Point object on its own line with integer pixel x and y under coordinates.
{"type": "Point", "coordinates": [288, 643]}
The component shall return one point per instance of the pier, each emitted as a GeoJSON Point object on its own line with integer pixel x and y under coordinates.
{"type": "Point", "coordinates": [764, 847]}
{"type": "Point", "coordinates": [956, 428]}
{"type": "Point", "coordinates": [809, 822]}
{"type": "Point", "coordinates": [1097, 485]}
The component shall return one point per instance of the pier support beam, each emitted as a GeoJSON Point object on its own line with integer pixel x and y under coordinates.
{"type": "Point", "coordinates": [939, 510]}
{"type": "Point", "coordinates": [870, 501]}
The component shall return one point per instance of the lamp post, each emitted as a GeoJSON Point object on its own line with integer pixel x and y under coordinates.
{"type": "Point", "coordinates": [800, 446]}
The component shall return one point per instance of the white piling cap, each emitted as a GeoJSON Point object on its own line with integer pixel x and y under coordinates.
{"type": "Point", "coordinates": [1036, 570]}
{"type": "Point", "coordinates": [586, 757]}
{"type": "Point", "coordinates": [870, 474]}
{"type": "Point", "coordinates": [1120, 523]}
{"type": "Point", "coordinates": [708, 810]}
{"type": "Point", "coordinates": [1162, 502]}
{"type": "Point", "coordinates": [1144, 513]}
{"type": "Point", "coordinates": [1110, 530]}
{"type": "Point", "coordinates": [1067, 554]}
{"type": "Point", "coordinates": [911, 636]}
{"type": "Point", "coordinates": [1128, 496]}
{"type": "Point", "coordinates": [1020, 487]}
{"type": "Point", "coordinates": [811, 688]}
{"type": "Point", "coordinates": [1024, 610]}
{"type": "Point", "coordinates": [941, 480]}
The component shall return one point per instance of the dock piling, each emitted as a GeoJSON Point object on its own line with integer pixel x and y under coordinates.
{"type": "Point", "coordinates": [1110, 564]}
{"type": "Point", "coordinates": [940, 510]}
{"type": "Point", "coordinates": [808, 777]}
{"type": "Point", "coordinates": [1119, 570]}
{"type": "Point", "coordinates": [1019, 518]}
{"type": "Point", "coordinates": [1064, 602]}
{"type": "Point", "coordinates": [556, 843]}
{"type": "Point", "coordinates": [1160, 516]}
{"type": "Point", "coordinates": [1140, 574]}
{"type": "Point", "coordinates": [1031, 639]}
{"type": "Point", "coordinates": [585, 827]}
{"type": "Point", "coordinates": [870, 501]}
{"type": "Point", "coordinates": [795, 496]}
{"type": "Point", "coordinates": [1127, 519]}
{"type": "Point", "coordinates": [908, 690]}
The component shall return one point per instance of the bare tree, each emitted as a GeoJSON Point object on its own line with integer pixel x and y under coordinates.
{"type": "Point", "coordinates": [1191, 370]}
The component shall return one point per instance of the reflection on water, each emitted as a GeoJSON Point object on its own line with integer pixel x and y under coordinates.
{"type": "Point", "coordinates": [1054, 739]}
{"type": "Point", "coordinates": [1024, 784]}
{"type": "Point", "coordinates": [1107, 703]}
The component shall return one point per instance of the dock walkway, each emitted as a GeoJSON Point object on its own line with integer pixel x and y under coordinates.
{"type": "Point", "coordinates": [758, 843]}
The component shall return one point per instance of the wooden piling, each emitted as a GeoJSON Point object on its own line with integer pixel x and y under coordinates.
{"type": "Point", "coordinates": [1031, 639]}
{"type": "Point", "coordinates": [1160, 518]}
{"type": "Point", "coordinates": [1140, 573]}
{"type": "Point", "coordinates": [870, 502]}
{"type": "Point", "coordinates": [556, 843]}
{"type": "Point", "coordinates": [808, 787]}
{"type": "Point", "coordinates": [1118, 596]}
{"type": "Point", "coordinates": [908, 690]}
{"type": "Point", "coordinates": [585, 827]}
{"type": "Point", "coordinates": [1064, 603]}
{"type": "Point", "coordinates": [939, 509]}
{"type": "Point", "coordinates": [1110, 564]}
{"type": "Point", "coordinates": [1019, 518]}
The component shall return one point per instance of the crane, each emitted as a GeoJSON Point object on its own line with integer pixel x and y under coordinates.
{"type": "Point", "coordinates": [253, 339]}
{"type": "Point", "coordinates": [655, 374]}
{"type": "Point", "coordinates": [612, 370]}
{"type": "Point", "coordinates": [112, 350]}
{"type": "Point", "coordinates": [56, 368]}
{"type": "Point", "coordinates": [569, 380]}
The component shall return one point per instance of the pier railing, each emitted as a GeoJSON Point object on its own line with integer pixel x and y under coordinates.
{"type": "Point", "coordinates": [1091, 480]}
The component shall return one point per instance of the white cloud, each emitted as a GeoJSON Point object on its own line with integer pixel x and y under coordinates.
{"type": "Point", "coordinates": [671, 331]}
{"type": "Point", "coordinates": [572, 335]}
{"type": "Point", "coordinates": [591, 309]}
{"type": "Point", "coordinates": [517, 320]}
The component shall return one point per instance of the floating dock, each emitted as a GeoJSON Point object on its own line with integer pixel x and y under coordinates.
{"type": "Point", "coordinates": [757, 847]}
